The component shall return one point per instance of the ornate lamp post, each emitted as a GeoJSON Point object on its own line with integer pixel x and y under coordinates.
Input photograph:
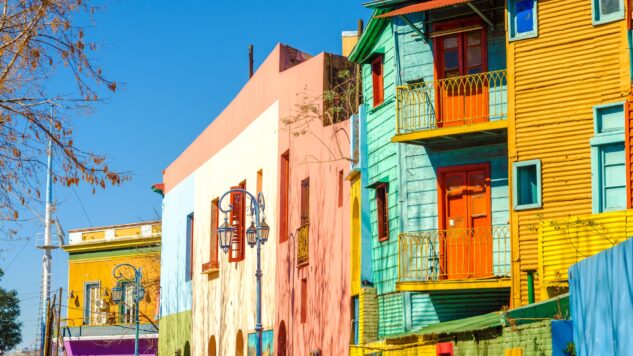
{"type": "Point", "coordinates": [139, 293]}
{"type": "Point", "coordinates": [256, 235]}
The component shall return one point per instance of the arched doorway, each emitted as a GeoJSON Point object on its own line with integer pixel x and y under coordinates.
{"type": "Point", "coordinates": [281, 339]}
{"type": "Point", "coordinates": [187, 351]}
{"type": "Point", "coordinates": [212, 348]}
{"type": "Point", "coordinates": [239, 344]}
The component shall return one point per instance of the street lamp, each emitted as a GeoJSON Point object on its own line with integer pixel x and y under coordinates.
{"type": "Point", "coordinates": [256, 235]}
{"type": "Point", "coordinates": [118, 294]}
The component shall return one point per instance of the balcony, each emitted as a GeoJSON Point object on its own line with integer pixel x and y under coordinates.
{"type": "Point", "coordinates": [454, 259]}
{"type": "Point", "coordinates": [563, 242]}
{"type": "Point", "coordinates": [210, 267]}
{"type": "Point", "coordinates": [462, 110]}
{"type": "Point", "coordinates": [303, 243]}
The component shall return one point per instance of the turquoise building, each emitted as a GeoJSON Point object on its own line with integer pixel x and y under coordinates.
{"type": "Point", "coordinates": [435, 89]}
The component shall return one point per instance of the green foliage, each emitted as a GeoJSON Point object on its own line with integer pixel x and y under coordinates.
{"type": "Point", "coordinates": [571, 349]}
{"type": "Point", "coordinates": [10, 327]}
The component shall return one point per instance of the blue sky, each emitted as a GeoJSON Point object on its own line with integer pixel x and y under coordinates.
{"type": "Point", "coordinates": [180, 64]}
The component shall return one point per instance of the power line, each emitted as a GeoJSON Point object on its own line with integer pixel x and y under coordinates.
{"type": "Point", "coordinates": [82, 207]}
{"type": "Point", "coordinates": [17, 255]}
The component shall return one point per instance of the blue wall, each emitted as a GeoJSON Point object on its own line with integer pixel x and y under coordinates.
{"type": "Point", "coordinates": [176, 293]}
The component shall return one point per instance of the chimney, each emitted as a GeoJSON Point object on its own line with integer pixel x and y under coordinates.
{"type": "Point", "coordinates": [250, 61]}
{"type": "Point", "coordinates": [350, 38]}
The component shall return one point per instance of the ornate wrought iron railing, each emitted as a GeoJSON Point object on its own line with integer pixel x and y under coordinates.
{"type": "Point", "coordinates": [453, 101]}
{"type": "Point", "coordinates": [454, 254]}
{"type": "Point", "coordinates": [303, 243]}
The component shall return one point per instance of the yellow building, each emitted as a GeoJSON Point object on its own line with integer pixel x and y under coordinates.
{"type": "Point", "coordinates": [94, 320]}
{"type": "Point", "coordinates": [569, 76]}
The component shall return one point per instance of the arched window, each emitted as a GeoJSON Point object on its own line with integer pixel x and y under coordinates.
{"type": "Point", "coordinates": [281, 339]}
{"type": "Point", "coordinates": [212, 348]}
{"type": "Point", "coordinates": [239, 344]}
{"type": "Point", "coordinates": [187, 351]}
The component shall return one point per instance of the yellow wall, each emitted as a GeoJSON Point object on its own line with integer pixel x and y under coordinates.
{"type": "Point", "coordinates": [99, 269]}
{"type": "Point", "coordinates": [564, 242]}
{"type": "Point", "coordinates": [355, 236]}
{"type": "Point", "coordinates": [555, 80]}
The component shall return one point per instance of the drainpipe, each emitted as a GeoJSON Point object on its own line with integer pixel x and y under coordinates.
{"type": "Point", "coordinates": [530, 286]}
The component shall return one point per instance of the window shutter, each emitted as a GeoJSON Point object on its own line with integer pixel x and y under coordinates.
{"type": "Point", "coordinates": [237, 220]}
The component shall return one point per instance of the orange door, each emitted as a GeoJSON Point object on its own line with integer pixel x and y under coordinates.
{"type": "Point", "coordinates": [463, 95]}
{"type": "Point", "coordinates": [466, 241]}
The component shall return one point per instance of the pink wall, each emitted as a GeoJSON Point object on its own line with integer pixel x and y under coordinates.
{"type": "Point", "coordinates": [328, 314]}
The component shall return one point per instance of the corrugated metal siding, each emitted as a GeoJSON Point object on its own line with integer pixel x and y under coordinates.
{"type": "Point", "coordinates": [629, 149]}
{"type": "Point", "coordinates": [391, 311]}
{"type": "Point", "coordinates": [566, 241]}
{"type": "Point", "coordinates": [558, 78]}
{"type": "Point", "coordinates": [427, 309]}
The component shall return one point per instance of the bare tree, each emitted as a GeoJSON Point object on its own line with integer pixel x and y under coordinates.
{"type": "Point", "coordinates": [40, 39]}
{"type": "Point", "coordinates": [331, 108]}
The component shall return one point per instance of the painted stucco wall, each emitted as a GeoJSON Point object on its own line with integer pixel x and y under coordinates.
{"type": "Point", "coordinates": [555, 81]}
{"type": "Point", "coordinates": [315, 156]}
{"type": "Point", "coordinates": [176, 292]}
{"type": "Point", "coordinates": [225, 302]}
{"type": "Point", "coordinates": [96, 267]}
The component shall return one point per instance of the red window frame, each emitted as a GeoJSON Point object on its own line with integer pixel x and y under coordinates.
{"type": "Point", "coordinates": [304, 300]}
{"type": "Point", "coordinates": [340, 188]}
{"type": "Point", "coordinates": [191, 224]}
{"type": "Point", "coordinates": [238, 219]}
{"type": "Point", "coordinates": [284, 180]}
{"type": "Point", "coordinates": [382, 211]}
{"type": "Point", "coordinates": [462, 45]}
{"type": "Point", "coordinates": [377, 75]}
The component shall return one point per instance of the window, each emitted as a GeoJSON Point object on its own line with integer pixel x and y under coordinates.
{"type": "Point", "coordinates": [92, 298]}
{"type": "Point", "coordinates": [382, 212]}
{"type": "Point", "coordinates": [238, 219]}
{"type": "Point", "coordinates": [340, 188]}
{"type": "Point", "coordinates": [215, 220]}
{"type": "Point", "coordinates": [127, 308]}
{"type": "Point", "coordinates": [377, 80]}
{"type": "Point", "coordinates": [305, 202]}
{"type": "Point", "coordinates": [608, 162]}
{"type": "Point", "coordinates": [355, 320]}
{"type": "Point", "coordinates": [260, 180]}
{"type": "Point", "coordinates": [522, 19]}
{"type": "Point", "coordinates": [605, 11]}
{"type": "Point", "coordinates": [526, 190]}
{"type": "Point", "coordinates": [304, 300]}
{"type": "Point", "coordinates": [283, 196]}
{"type": "Point", "coordinates": [189, 266]}
{"type": "Point", "coordinates": [460, 53]}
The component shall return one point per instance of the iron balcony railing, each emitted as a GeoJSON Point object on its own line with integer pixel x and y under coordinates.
{"type": "Point", "coordinates": [454, 254]}
{"type": "Point", "coordinates": [456, 101]}
{"type": "Point", "coordinates": [303, 243]}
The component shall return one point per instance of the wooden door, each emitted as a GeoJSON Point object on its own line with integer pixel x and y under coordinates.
{"type": "Point", "coordinates": [465, 239]}
{"type": "Point", "coordinates": [462, 94]}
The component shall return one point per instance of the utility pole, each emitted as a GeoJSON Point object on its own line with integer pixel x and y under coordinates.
{"type": "Point", "coordinates": [48, 336]}
{"type": "Point", "coordinates": [59, 318]}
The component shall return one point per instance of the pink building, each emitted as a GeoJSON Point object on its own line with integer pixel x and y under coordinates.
{"type": "Point", "coordinates": [313, 249]}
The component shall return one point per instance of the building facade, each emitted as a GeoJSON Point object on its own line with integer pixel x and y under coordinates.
{"type": "Point", "coordinates": [95, 324]}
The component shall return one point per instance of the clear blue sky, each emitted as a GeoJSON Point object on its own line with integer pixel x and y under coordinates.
{"type": "Point", "coordinates": [181, 63]}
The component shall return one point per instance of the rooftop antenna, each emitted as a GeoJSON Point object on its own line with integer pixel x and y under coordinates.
{"type": "Point", "coordinates": [250, 61]}
{"type": "Point", "coordinates": [46, 244]}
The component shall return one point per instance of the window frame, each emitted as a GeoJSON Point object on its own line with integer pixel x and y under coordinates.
{"type": "Point", "coordinates": [598, 19]}
{"type": "Point", "coordinates": [87, 304]}
{"type": "Point", "coordinates": [597, 143]}
{"type": "Point", "coordinates": [515, 185]}
{"type": "Point", "coordinates": [378, 81]}
{"type": "Point", "coordinates": [462, 45]}
{"type": "Point", "coordinates": [512, 26]}
{"type": "Point", "coordinates": [284, 195]}
{"type": "Point", "coordinates": [190, 222]}
{"type": "Point", "coordinates": [241, 229]}
{"type": "Point", "coordinates": [382, 212]}
{"type": "Point", "coordinates": [214, 245]}
{"type": "Point", "coordinates": [304, 203]}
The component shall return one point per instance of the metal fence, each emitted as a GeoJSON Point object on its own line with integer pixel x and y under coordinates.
{"type": "Point", "coordinates": [453, 101]}
{"type": "Point", "coordinates": [454, 254]}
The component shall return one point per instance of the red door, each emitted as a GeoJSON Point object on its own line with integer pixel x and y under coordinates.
{"type": "Point", "coordinates": [465, 238]}
{"type": "Point", "coordinates": [462, 96]}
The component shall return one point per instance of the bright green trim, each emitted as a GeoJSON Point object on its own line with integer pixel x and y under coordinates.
{"type": "Point", "coordinates": [363, 48]}
{"type": "Point", "coordinates": [115, 244]}
{"type": "Point", "coordinates": [113, 253]}
{"type": "Point", "coordinates": [598, 19]}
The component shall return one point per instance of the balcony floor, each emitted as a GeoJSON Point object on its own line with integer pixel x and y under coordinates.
{"type": "Point", "coordinates": [457, 136]}
{"type": "Point", "coordinates": [455, 284]}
